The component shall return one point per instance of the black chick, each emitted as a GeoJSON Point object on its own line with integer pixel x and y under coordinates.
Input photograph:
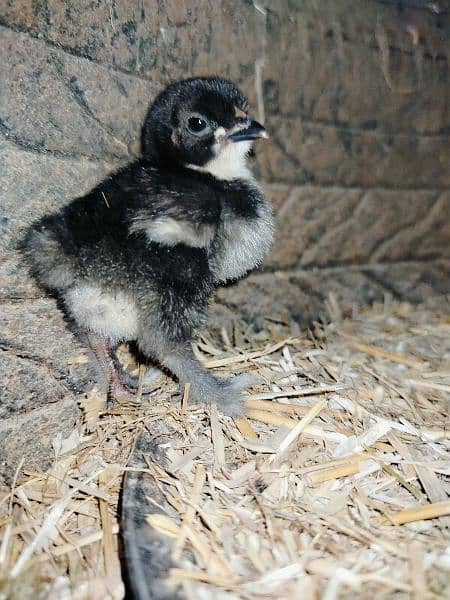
{"type": "Point", "coordinates": [138, 257]}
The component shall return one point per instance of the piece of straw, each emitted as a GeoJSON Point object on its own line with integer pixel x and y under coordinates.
{"type": "Point", "coordinates": [394, 357]}
{"type": "Point", "coordinates": [199, 482]}
{"type": "Point", "coordinates": [420, 513]}
{"type": "Point", "coordinates": [297, 430]}
{"type": "Point", "coordinates": [245, 428]}
{"type": "Point", "coordinates": [232, 360]}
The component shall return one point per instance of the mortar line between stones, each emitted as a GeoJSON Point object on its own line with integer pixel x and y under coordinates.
{"type": "Point", "coordinates": [346, 186]}
{"type": "Point", "coordinates": [353, 267]}
{"type": "Point", "coordinates": [324, 124]}
{"type": "Point", "coordinates": [67, 50]}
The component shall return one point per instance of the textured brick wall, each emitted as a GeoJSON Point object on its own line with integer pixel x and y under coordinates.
{"type": "Point", "coordinates": [355, 95]}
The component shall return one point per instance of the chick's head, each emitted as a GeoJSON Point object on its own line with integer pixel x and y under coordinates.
{"type": "Point", "coordinates": [197, 121]}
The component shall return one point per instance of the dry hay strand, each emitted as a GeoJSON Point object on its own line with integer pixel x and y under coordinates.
{"type": "Point", "coordinates": [334, 483]}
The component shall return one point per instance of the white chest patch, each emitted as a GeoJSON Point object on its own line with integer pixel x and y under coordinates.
{"type": "Point", "coordinates": [111, 315]}
{"type": "Point", "coordinates": [230, 162]}
{"type": "Point", "coordinates": [169, 231]}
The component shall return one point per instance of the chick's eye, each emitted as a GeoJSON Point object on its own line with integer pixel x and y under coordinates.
{"type": "Point", "coordinates": [197, 124]}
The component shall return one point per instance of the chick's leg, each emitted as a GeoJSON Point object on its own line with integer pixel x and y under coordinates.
{"type": "Point", "coordinates": [114, 375]}
{"type": "Point", "coordinates": [205, 388]}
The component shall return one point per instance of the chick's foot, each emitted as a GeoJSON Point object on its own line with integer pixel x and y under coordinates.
{"type": "Point", "coordinates": [228, 394]}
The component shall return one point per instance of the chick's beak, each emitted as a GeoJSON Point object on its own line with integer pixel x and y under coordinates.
{"type": "Point", "coordinates": [254, 131]}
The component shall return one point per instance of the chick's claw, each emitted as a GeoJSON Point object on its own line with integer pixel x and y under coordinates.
{"type": "Point", "coordinates": [228, 394]}
{"type": "Point", "coordinates": [232, 399]}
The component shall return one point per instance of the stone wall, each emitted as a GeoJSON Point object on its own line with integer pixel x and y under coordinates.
{"type": "Point", "coordinates": [355, 96]}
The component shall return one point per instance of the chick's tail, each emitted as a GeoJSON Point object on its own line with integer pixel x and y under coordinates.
{"type": "Point", "coordinates": [48, 262]}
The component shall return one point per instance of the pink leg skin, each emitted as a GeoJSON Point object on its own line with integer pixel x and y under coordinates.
{"type": "Point", "coordinates": [117, 388]}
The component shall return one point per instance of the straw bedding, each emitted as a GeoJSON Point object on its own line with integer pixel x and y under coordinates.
{"type": "Point", "coordinates": [335, 483]}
